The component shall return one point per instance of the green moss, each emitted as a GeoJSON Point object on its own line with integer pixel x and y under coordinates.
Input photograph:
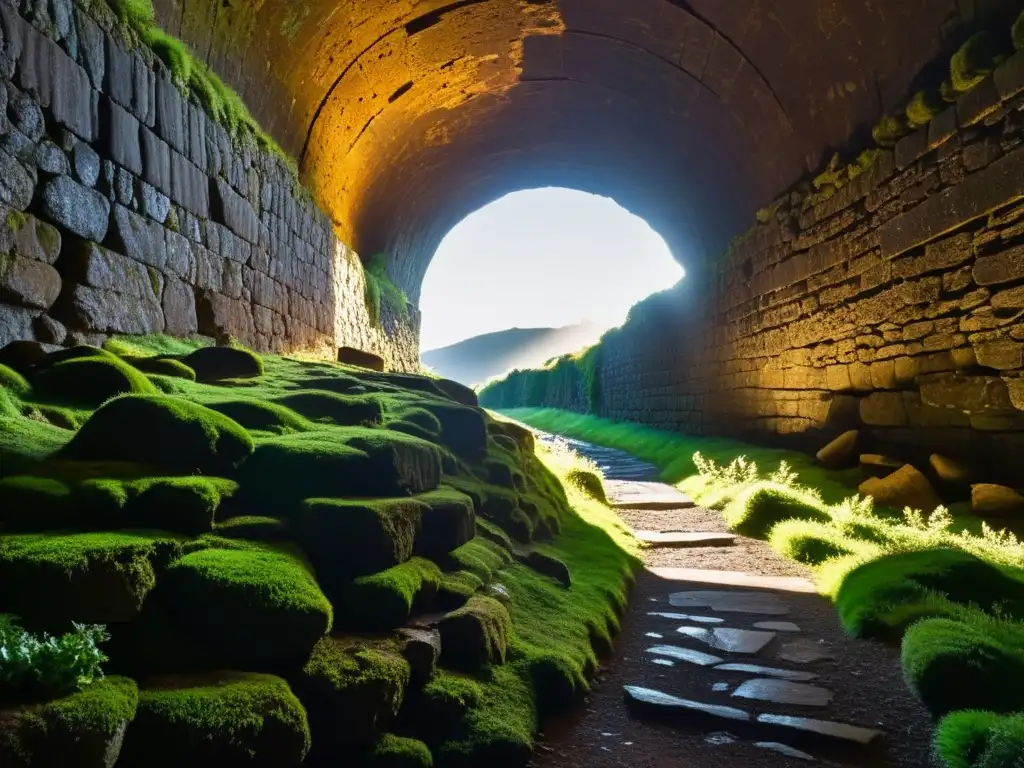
{"type": "Point", "coordinates": [448, 522]}
{"type": "Point", "coordinates": [954, 665]}
{"type": "Point", "coordinates": [256, 603]}
{"type": "Point", "coordinates": [352, 690]}
{"type": "Point", "coordinates": [90, 381]}
{"type": "Point", "coordinates": [254, 528]}
{"type": "Point", "coordinates": [24, 443]}
{"type": "Point", "coordinates": [387, 599]}
{"type": "Point", "coordinates": [16, 220]}
{"type": "Point", "coordinates": [865, 161]}
{"type": "Point", "coordinates": [77, 730]}
{"type": "Point", "coordinates": [589, 482]}
{"type": "Point", "coordinates": [463, 429]}
{"type": "Point", "coordinates": [924, 106]}
{"type": "Point", "coordinates": [153, 345]}
{"type": "Point", "coordinates": [14, 382]}
{"type": "Point", "coordinates": [399, 752]}
{"type": "Point", "coordinates": [889, 130]}
{"type": "Point", "coordinates": [9, 407]}
{"type": "Point", "coordinates": [262, 416]}
{"type": "Point", "coordinates": [186, 505]}
{"type": "Point", "coordinates": [225, 718]}
{"type": "Point", "coordinates": [343, 410]}
{"type": "Point", "coordinates": [976, 739]}
{"type": "Point", "coordinates": [93, 578]}
{"type": "Point", "coordinates": [380, 292]}
{"type": "Point", "coordinates": [475, 635]}
{"type": "Point", "coordinates": [807, 542]}
{"type": "Point", "coordinates": [973, 61]}
{"type": "Point", "coordinates": [219, 363]}
{"type": "Point", "coordinates": [456, 589]}
{"type": "Point", "coordinates": [166, 432]}
{"type": "Point", "coordinates": [481, 557]}
{"type": "Point", "coordinates": [760, 507]}
{"type": "Point", "coordinates": [163, 366]}
{"type": "Point", "coordinates": [32, 504]}
{"type": "Point", "coordinates": [77, 353]}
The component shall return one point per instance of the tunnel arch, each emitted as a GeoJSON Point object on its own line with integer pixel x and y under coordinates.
{"type": "Point", "coordinates": [406, 115]}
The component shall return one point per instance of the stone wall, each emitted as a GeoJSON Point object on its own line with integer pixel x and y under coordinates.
{"type": "Point", "coordinates": [124, 208]}
{"type": "Point", "coordinates": [896, 306]}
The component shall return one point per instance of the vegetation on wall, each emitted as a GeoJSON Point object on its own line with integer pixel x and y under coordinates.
{"type": "Point", "coordinates": [380, 292]}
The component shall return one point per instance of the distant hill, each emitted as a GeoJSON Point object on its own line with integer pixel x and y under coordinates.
{"type": "Point", "coordinates": [475, 360]}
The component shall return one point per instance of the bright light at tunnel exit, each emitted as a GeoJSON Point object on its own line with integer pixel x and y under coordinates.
{"type": "Point", "coordinates": [542, 258]}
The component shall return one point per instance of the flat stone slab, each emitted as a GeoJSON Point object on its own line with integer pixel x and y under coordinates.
{"type": "Point", "coordinates": [784, 749]}
{"type": "Point", "coordinates": [803, 651]}
{"type": "Point", "coordinates": [736, 579]}
{"type": "Point", "coordinates": [685, 539]}
{"type": "Point", "coordinates": [777, 626]}
{"type": "Point", "coordinates": [682, 709]}
{"type": "Point", "coordinates": [631, 494]}
{"type": "Point", "coordinates": [781, 674]}
{"type": "Point", "coordinates": [687, 617]}
{"type": "Point", "coordinates": [745, 641]}
{"type": "Point", "coordinates": [731, 602]}
{"type": "Point", "coordinates": [831, 731]}
{"type": "Point", "coordinates": [685, 654]}
{"type": "Point", "coordinates": [784, 692]}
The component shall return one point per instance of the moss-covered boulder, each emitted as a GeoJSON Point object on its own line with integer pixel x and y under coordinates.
{"type": "Point", "coordinates": [504, 508]}
{"type": "Point", "coordinates": [23, 355]}
{"type": "Point", "coordinates": [588, 482]}
{"type": "Point", "coordinates": [482, 556]}
{"type": "Point", "coordinates": [475, 635]}
{"type": "Point", "coordinates": [167, 432]}
{"type": "Point", "coordinates": [463, 429]}
{"type": "Point", "coordinates": [761, 506]}
{"type": "Point", "coordinates": [32, 504]}
{"type": "Point", "coordinates": [448, 521]}
{"type": "Point", "coordinates": [218, 363]}
{"type": "Point", "coordinates": [217, 719]}
{"type": "Point", "coordinates": [399, 752]}
{"type": "Point", "coordinates": [85, 729]}
{"type": "Point", "coordinates": [186, 505]}
{"type": "Point", "coordinates": [13, 381]}
{"type": "Point", "coordinates": [248, 603]}
{"type": "Point", "coordinates": [345, 538]}
{"type": "Point", "coordinates": [547, 565]}
{"type": "Point", "coordinates": [162, 366]}
{"type": "Point", "coordinates": [953, 665]}
{"type": "Point", "coordinates": [352, 690]}
{"type": "Point", "coordinates": [79, 352]}
{"type": "Point", "coordinates": [337, 462]}
{"type": "Point", "coordinates": [262, 416]}
{"type": "Point", "coordinates": [92, 578]}
{"type": "Point", "coordinates": [254, 528]}
{"type": "Point", "coordinates": [25, 443]}
{"type": "Point", "coordinates": [386, 600]}
{"type": "Point", "coordinates": [520, 434]}
{"type": "Point", "coordinates": [90, 381]}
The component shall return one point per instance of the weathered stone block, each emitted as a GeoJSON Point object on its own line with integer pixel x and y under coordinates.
{"type": "Point", "coordinates": [78, 209]}
{"type": "Point", "coordinates": [1003, 267]}
{"type": "Point", "coordinates": [911, 148]}
{"type": "Point", "coordinates": [883, 374]}
{"type": "Point", "coordinates": [220, 316]}
{"type": "Point", "coordinates": [1001, 354]}
{"type": "Point", "coordinates": [1011, 298]}
{"type": "Point", "coordinates": [17, 183]}
{"type": "Point", "coordinates": [941, 255]}
{"type": "Point", "coordinates": [16, 323]}
{"type": "Point", "coordinates": [86, 163]}
{"type": "Point", "coordinates": [883, 409]}
{"type": "Point", "coordinates": [50, 159]}
{"type": "Point", "coordinates": [170, 115]}
{"type": "Point", "coordinates": [1009, 76]}
{"type": "Point", "coordinates": [138, 238]}
{"type": "Point", "coordinates": [181, 259]}
{"type": "Point", "coordinates": [30, 238]}
{"type": "Point", "coordinates": [234, 211]}
{"type": "Point", "coordinates": [189, 186]}
{"type": "Point", "coordinates": [91, 53]}
{"type": "Point", "coordinates": [156, 161]}
{"type": "Point", "coordinates": [28, 283]}
{"type": "Point", "coordinates": [121, 135]}
{"type": "Point", "coordinates": [155, 204]}
{"type": "Point", "coordinates": [179, 307]}
{"type": "Point", "coordinates": [970, 394]}
{"type": "Point", "coordinates": [978, 103]}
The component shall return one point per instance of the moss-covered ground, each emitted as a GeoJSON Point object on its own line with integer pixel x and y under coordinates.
{"type": "Point", "coordinates": [948, 588]}
{"type": "Point", "coordinates": [247, 538]}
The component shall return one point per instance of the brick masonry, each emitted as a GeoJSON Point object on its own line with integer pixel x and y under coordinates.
{"type": "Point", "coordinates": [896, 306]}
{"type": "Point", "coordinates": [126, 209]}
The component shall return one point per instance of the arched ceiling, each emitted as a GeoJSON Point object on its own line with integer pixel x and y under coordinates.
{"type": "Point", "coordinates": [407, 115]}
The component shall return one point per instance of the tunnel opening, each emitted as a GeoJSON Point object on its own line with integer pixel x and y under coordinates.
{"type": "Point", "coordinates": [536, 274]}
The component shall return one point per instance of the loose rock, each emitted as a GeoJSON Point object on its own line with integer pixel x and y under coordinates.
{"type": "Point", "coordinates": [949, 470]}
{"type": "Point", "coordinates": [906, 487]}
{"type": "Point", "coordinates": [989, 500]}
{"type": "Point", "coordinates": [840, 452]}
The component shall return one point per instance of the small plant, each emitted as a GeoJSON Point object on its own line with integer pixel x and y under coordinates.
{"type": "Point", "coordinates": [380, 291]}
{"type": "Point", "coordinates": [924, 106]}
{"type": "Point", "coordinates": [889, 130]}
{"type": "Point", "coordinates": [33, 667]}
{"type": "Point", "coordinates": [974, 60]}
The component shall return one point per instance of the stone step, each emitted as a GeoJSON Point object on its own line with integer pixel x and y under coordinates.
{"type": "Point", "coordinates": [736, 579]}
{"type": "Point", "coordinates": [729, 601]}
{"type": "Point", "coordinates": [684, 539]}
{"type": "Point", "coordinates": [629, 494]}
{"type": "Point", "coordinates": [784, 692]}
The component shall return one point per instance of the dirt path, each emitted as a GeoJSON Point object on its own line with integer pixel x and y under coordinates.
{"type": "Point", "coordinates": [861, 680]}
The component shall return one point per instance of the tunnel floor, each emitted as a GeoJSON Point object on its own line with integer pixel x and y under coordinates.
{"type": "Point", "coordinates": [861, 678]}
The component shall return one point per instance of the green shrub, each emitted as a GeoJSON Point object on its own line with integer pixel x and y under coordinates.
{"type": "Point", "coordinates": [254, 603]}
{"type": "Point", "coordinates": [386, 600]}
{"type": "Point", "coordinates": [763, 505]}
{"type": "Point", "coordinates": [46, 667]}
{"type": "Point", "coordinates": [399, 752]}
{"type": "Point", "coordinates": [92, 578]}
{"type": "Point", "coordinates": [924, 106]}
{"type": "Point", "coordinates": [974, 739]}
{"type": "Point", "coordinates": [163, 366]}
{"type": "Point", "coordinates": [589, 482]}
{"type": "Point", "coordinates": [32, 504]}
{"type": "Point", "coordinates": [337, 462]}
{"type": "Point", "coordinates": [475, 635]}
{"type": "Point", "coordinates": [90, 381]}
{"type": "Point", "coordinates": [262, 416]}
{"type": "Point", "coordinates": [954, 665]}
{"type": "Point", "coordinates": [82, 729]}
{"type": "Point", "coordinates": [808, 542]}
{"type": "Point", "coordinates": [224, 718]}
{"type": "Point", "coordinates": [166, 432]}
{"type": "Point", "coordinates": [973, 61]}
{"type": "Point", "coordinates": [13, 382]}
{"type": "Point", "coordinates": [343, 410]}
{"type": "Point", "coordinates": [352, 691]}
{"type": "Point", "coordinates": [218, 363]}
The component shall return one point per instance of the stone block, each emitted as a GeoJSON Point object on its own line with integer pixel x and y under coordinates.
{"type": "Point", "coordinates": [941, 255]}
{"type": "Point", "coordinates": [86, 164]}
{"type": "Point", "coordinates": [978, 103]}
{"type": "Point", "coordinates": [905, 371]}
{"type": "Point", "coordinates": [30, 238]}
{"type": "Point", "coordinates": [979, 194]}
{"type": "Point", "coordinates": [121, 136]}
{"type": "Point", "coordinates": [221, 317]}
{"type": "Point", "coordinates": [28, 283]}
{"type": "Point", "coordinates": [155, 204]}
{"type": "Point", "coordinates": [156, 161]}
{"type": "Point", "coordinates": [1009, 76]}
{"type": "Point", "coordinates": [1009, 299]}
{"type": "Point", "coordinates": [16, 323]}
{"type": "Point", "coordinates": [209, 269]}
{"type": "Point", "coordinates": [189, 186]}
{"type": "Point", "coordinates": [883, 374]}
{"type": "Point", "coordinates": [837, 378]}
{"type": "Point", "coordinates": [197, 143]}
{"type": "Point", "coordinates": [181, 259]}
{"type": "Point", "coordinates": [17, 183]}
{"type": "Point", "coordinates": [942, 128]}
{"type": "Point", "coordinates": [138, 238]}
{"type": "Point", "coordinates": [170, 115]}
{"type": "Point", "coordinates": [234, 211]}
{"type": "Point", "coordinates": [179, 307]}
{"type": "Point", "coordinates": [231, 283]}
{"type": "Point", "coordinates": [912, 148]}
{"type": "Point", "coordinates": [883, 409]}
{"type": "Point", "coordinates": [966, 393]}
{"type": "Point", "coordinates": [49, 331]}
{"type": "Point", "coordinates": [80, 210]}
{"type": "Point", "coordinates": [91, 49]}
{"type": "Point", "coordinates": [1003, 267]}
{"type": "Point", "coordinates": [1000, 354]}
{"type": "Point", "coordinates": [50, 159]}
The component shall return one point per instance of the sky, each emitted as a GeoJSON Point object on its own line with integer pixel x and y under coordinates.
{"type": "Point", "coordinates": [541, 258]}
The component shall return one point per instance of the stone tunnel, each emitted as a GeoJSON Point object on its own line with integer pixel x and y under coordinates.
{"type": "Point", "coordinates": [894, 302]}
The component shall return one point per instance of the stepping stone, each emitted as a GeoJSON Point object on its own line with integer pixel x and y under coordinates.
{"type": "Point", "coordinates": [682, 709]}
{"type": "Point", "coordinates": [631, 494]}
{"type": "Point", "coordinates": [781, 674]}
{"type": "Point", "coordinates": [720, 687]}
{"type": "Point", "coordinates": [663, 662]}
{"type": "Point", "coordinates": [685, 654]}
{"type": "Point", "coordinates": [685, 539]}
{"type": "Point", "coordinates": [736, 579]}
{"type": "Point", "coordinates": [687, 617]}
{"type": "Point", "coordinates": [777, 626]}
{"type": "Point", "coordinates": [803, 651]}
{"type": "Point", "coordinates": [826, 730]}
{"type": "Point", "coordinates": [784, 749]}
{"type": "Point", "coordinates": [784, 692]}
{"type": "Point", "coordinates": [727, 601]}
{"type": "Point", "coordinates": [745, 641]}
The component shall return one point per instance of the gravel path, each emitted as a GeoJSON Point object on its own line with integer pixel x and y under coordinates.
{"type": "Point", "coordinates": [864, 676]}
